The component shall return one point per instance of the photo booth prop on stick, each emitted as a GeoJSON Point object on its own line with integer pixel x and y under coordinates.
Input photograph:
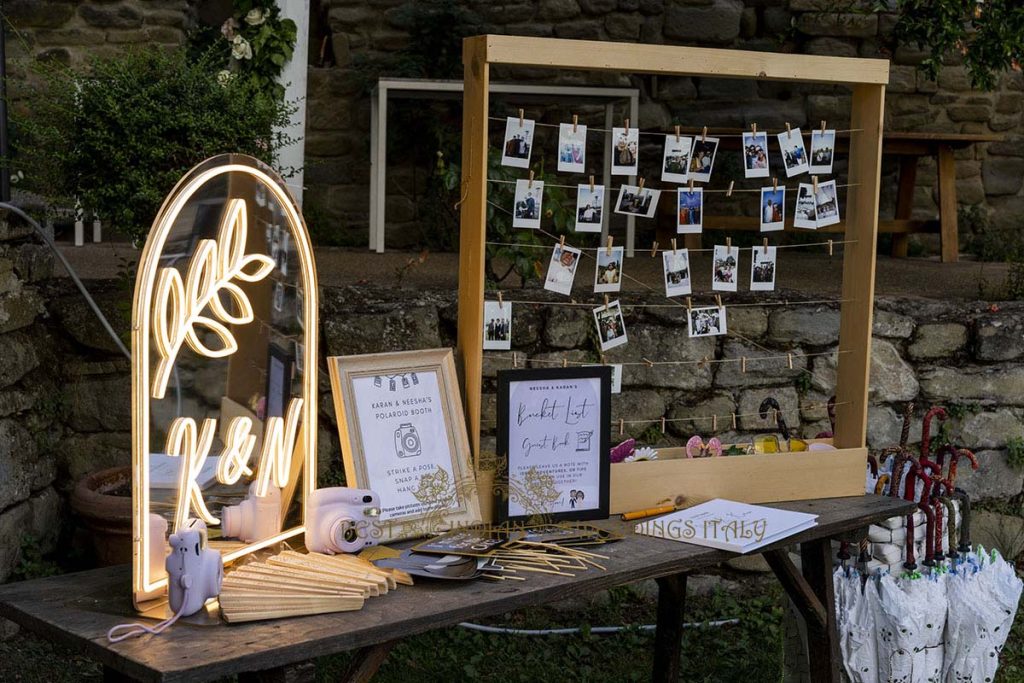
{"type": "Point", "coordinates": [226, 281]}
{"type": "Point", "coordinates": [754, 478]}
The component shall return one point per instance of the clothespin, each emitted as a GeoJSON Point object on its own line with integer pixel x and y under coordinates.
{"type": "Point", "coordinates": [734, 421]}
{"type": "Point", "coordinates": [606, 304]}
{"type": "Point", "coordinates": [622, 426]}
{"type": "Point", "coordinates": [650, 363]}
{"type": "Point", "coordinates": [728, 193]}
{"type": "Point", "coordinates": [591, 183]}
{"type": "Point", "coordinates": [691, 186]}
{"type": "Point", "coordinates": [520, 118]}
{"type": "Point", "coordinates": [561, 242]}
{"type": "Point", "coordinates": [728, 243]}
{"type": "Point", "coordinates": [789, 360]}
{"type": "Point", "coordinates": [662, 424]}
{"type": "Point", "coordinates": [714, 423]}
{"type": "Point", "coordinates": [814, 184]}
{"type": "Point", "coordinates": [515, 359]}
{"type": "Point", "coordinates": [689, 304]}
{"type": "Point", "coordinates": [775, 183]}
{"type": "Point", "coordinates": [789, 131]}
{"type": "Point", "coordinates": [674, 250]}
{"type": "Point", "coordinates": [654, 249]}
{"type": "Point", "coordinates": [823, 126]}
{"type": "Point", "coordinates": [565, 362]}
{"type": "Point", "coordinates": [677, 140]}
{"type": "Point", "coordinates": [501, 302]}
{"type": "Point", "coordinates": [830, 248]}
{"type": "Point", "coordinates": [531, 179]}
{"type": "Point", "coordinates": [575, 122]}
{"type": "Point", "coordinates": [609, 248]}
{"type": "Point", "coordinates": [753, 128]}
{"type": "Point", "coordinates": [764, 246]}
{"type": "Point", "coordinates": [627, 126]}
{"type": "Point", "coordinates": [704, 134]}
{"type": "Point", "coordinates": [743, 364]}
{"type": "Point", "coordinates": [718, 300]}
{"type": "Point", "coordinates": [603, 361]}
{"type": "Point", "coordinates": [640, 184]}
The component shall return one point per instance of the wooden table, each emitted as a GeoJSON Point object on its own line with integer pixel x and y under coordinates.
{"type": "Point", "coordinates": [76, 610]}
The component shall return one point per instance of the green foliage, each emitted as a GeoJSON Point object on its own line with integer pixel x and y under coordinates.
{"type": "Point", "coordinates": [1015, 452]}
{"type": "Point", "coordinates": [989, 36]}
{"type": "Point", "coordinates": [988, 242]}
{"type": "Point", "coordinates": [803, 382]}
{"type": "Point", "coordinates": [120, 135]}
{"type": "Point", "coordinates": [32, 564]}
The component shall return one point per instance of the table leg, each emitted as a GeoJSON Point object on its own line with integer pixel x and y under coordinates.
{"type": "Point", "coordinates": [295, 673]}
{"type": "Point", "coordinates": [904, 203]}
{"type": "Point", "coordinates": [822, 643]}
{"type": "Point", "coordinates": [947, 206]}
{"type": "Point", "coordinates": [669, 635]}
{"type": "Point", "coordinates": [366, 662]}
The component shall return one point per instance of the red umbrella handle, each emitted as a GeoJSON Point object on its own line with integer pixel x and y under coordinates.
{"type": "Point", "coordinates": [908, 494]}
{"type": "Point", "coordinates": [961, 453]}
{"type": "Point", "coordinates": [873, 464]}
{"type": "Point", "coordinates": [908, 415]}
{"type": "Point", "coordinates": [926, 428]}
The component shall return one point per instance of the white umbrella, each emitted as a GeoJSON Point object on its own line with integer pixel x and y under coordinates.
{"type": "Point", "coordinates": [856, 625]}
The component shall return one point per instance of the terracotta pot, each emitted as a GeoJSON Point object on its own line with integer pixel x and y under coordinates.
{"type": "Point", "coordinates": [107, 517]}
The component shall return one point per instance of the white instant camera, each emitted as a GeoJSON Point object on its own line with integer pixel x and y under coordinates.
{"type": "Point", "coordinates": [255, 518]}
{"type": "Point", "coordinates": [341, 520]}
{"type": "Point", "coordinates": [194, 571]}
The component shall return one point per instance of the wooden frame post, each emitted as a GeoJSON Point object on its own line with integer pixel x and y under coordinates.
{"type": "Point", "coordinates": [866, 77]}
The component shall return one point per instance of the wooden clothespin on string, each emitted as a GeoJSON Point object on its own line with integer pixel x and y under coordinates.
{"type": "Point", "coordinates": [530, 185]}
{"type": "Point", "coordinates": [691, 186]}
{"type": "Point", "coordinates": [674, 250]}
{"type": "Point", "coordinates": [561, 242]}
{"type": "Point", "coordinates": [764, 246]}
{"type": "Point", "coordinates": [677, 133]}
{"type": "Point", "coordinates": [521, 120]}
{"type": "Point", "coordinates": [609, 247]}
{"type": "Point", "coordinates": [753, 129]}
{"type": "Point", "coordinates": [606, 304]}
{"type": "Point", "coordinates": [718, 300]}
{"type": "Point", "coordinates": [575, 122]}
{"type": "Point", "coordinates": [789, 131]}
{"type": "Point", "coordinates": [830, 248]}
{"type": "Point", "coordinates": [775, 183]}
{"type": "Point", "coordinates": [591, 183]}
{"type": "Point", "coordinates": [728, 243]}
{"type": "Point", "coordinates": [501, 301]}
{"type": "Point", "coordinates": [654, 249]}
{"type": "Point", "coordinates": [689, 303]}
{"type": "Point", "coordinates": [728, 193]}
{"type": "Point", "coordinates": [640, 184]}
{"type": "Point", "coordinates": [823, 126]}
{"type": "Point", "coordinates": [627, 126]}
{"type": "Point", "coordinates": [814, 185]}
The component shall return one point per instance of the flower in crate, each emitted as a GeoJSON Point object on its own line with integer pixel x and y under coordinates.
{"type": "Point", "coordinates": [641, 454]}
{"type": "Point", "coordinates": [255, 16]}
{"type": "Point", "coordinates": [623, 450]}
{"type": "Point", "coordinates": [240, 48]}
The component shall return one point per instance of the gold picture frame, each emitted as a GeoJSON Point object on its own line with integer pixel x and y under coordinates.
{"type": "Point", "coordinates": [391, 410]}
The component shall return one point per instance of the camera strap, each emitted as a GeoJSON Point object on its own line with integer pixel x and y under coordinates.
{"type": "Point", "coordinates": [132, 630]}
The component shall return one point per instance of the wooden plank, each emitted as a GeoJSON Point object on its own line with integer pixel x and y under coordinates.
{"type": "Point", "coordinates": [904, 202]}
{"type": "Point", "coordinates": [858, 295]}
{"type": "Point", "coordinates": [472, 233]}
{"type": "Point", "coordinates": [746, 478]}
{"type": "Point", "coordinates": [683, 61]}
{"type": "Point", "coordinates": [668, 638]}
{"type": "Point", "coordinates": [948, 206]}
{"type": "Point", "coordinates": [822, 642]}
{"type": "Point", "coordinates": [366, 662]}
{"type": "Point", "coordinates": [796, 586]}
{"type": "Point", "coordinates": [76, 610]}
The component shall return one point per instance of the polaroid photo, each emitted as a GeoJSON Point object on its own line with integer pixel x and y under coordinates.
{"type": "Point", "coordinates": [805, 215]}
{"type": "Point", "coordinates": [608, 275]}
{"type": "Point", "coordinates": [572, 148]}
{"type": "Point", "coordinates": [625, 150]}
{"type": "Point", "coordinates": [282, 253]}
{"type": "Point", "coordinates": [562, 269]}
{"type": "Point", "coordinates": [762, 269]}
{"type": "Point", "coordinates": [518, 142]}
{"type": "Point", "coordinates": [773, 208]}
{"type": "Point", "coordinates": [794, 156]}
{"type": "Point", "coordinates": [823, 147]}
{"type": "Point", "coordinates": [826, 203]}
{"type": "Point", "coordinates": [589, 208]}
{"type": "Point", "coordinates": [299, 305]}
{"type": "Point", "coordinates": [677, 272]}
{"type": "Point", "coordinates": [637, 201]}
{"type": "Point", "coordinates": [675, 167]}
{"type": "Point", "coordinates": [611, 328]}
{"type": "Point", "coordinates": [708, 321]}
{"type": "Point", "coordinates": [755, 155]}
{"type": "Point", "coordinates": [279, 297]}
{"type": "Point", "coordinates": [300, 356]}
{"type": "Point", "coordinates": [689, 210]}
{"type": "Point", "coordinates": [497, 325]}
{"type": "Point", "coordinates": [526, 210]}
{"type": "Point", "coordinates": [702, 159]}
{"type": "Point", "coordinates": [725, 266]}
{"type": "Point", "coordinates": [616, 375]}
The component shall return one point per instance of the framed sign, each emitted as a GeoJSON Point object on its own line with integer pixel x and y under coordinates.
{"type": "Point", "coordinates": [403, 436]}
{"type": "Point", "coordinates": [553, 441]}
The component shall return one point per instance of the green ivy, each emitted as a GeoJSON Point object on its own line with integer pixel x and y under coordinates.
{"type": "Point", "coordinates": [120, 134]}
{"type": "Point", "coordinates": [259, 44]}
{"type": "Point", "coordinates": [988, 36]}
{"type": "Point", "coordinates": [1015, 452]}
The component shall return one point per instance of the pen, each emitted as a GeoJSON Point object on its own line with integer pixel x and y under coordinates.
{"type": "Point", "coordinates": [648, 512]}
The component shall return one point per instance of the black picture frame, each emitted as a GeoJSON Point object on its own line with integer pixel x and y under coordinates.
{"type": "Point", "coordinates": [280, 369]}
{"type": "Point", "coordinates": [506, 378]}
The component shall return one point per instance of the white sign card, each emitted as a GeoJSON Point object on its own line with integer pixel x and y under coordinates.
{"type": "Point", "coordinates": [553, 427]}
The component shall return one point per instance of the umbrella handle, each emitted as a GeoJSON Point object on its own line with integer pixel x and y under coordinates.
{"type": "Point", "coordinates": [873, 464]}
{"type": "Point", "coordinates": [908, 415]}
{"type": "Point", "coordinates": [831, 407]}
{"type": "Point", "coordinates": [961, 453]}
{"type": "Point", "coordinates": [880, 484]}
{"type": "Point", "coordinates": [771, 404]}
{"type": "Point", "coordinates": [951, 531]}
{"type": "Point", "coordinates": [929, 531]}
{"type": "Point", "coordinates": [926, 428]}
{"type": "Point", "coordinates": [965, 520]}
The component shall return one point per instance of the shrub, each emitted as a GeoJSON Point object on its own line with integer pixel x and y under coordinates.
{"type": "Point", "coordinates": [119, 135]}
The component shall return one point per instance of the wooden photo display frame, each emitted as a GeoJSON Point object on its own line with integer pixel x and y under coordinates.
{"type": "Point", "coordinates": [403, 435]}
{"type": "Point", "coordinates": [866, 80]}
{"type": "Point", "coordinates": [553, 445]}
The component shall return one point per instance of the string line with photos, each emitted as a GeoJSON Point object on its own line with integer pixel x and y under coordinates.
{"type": "Point", "coordinates": [741, 361]}
{"type": "Point", "coordinates": [654, 251]}
{"type": "Point", "coordinates": [683, 130]}
{"type": "Point", "coordinates": [728, 192]}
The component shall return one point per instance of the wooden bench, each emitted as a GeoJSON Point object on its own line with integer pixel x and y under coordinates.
{"type": "Point", "coordinates": [76, 610]}
{"type": "Point", "coordinates": [908, 148]}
